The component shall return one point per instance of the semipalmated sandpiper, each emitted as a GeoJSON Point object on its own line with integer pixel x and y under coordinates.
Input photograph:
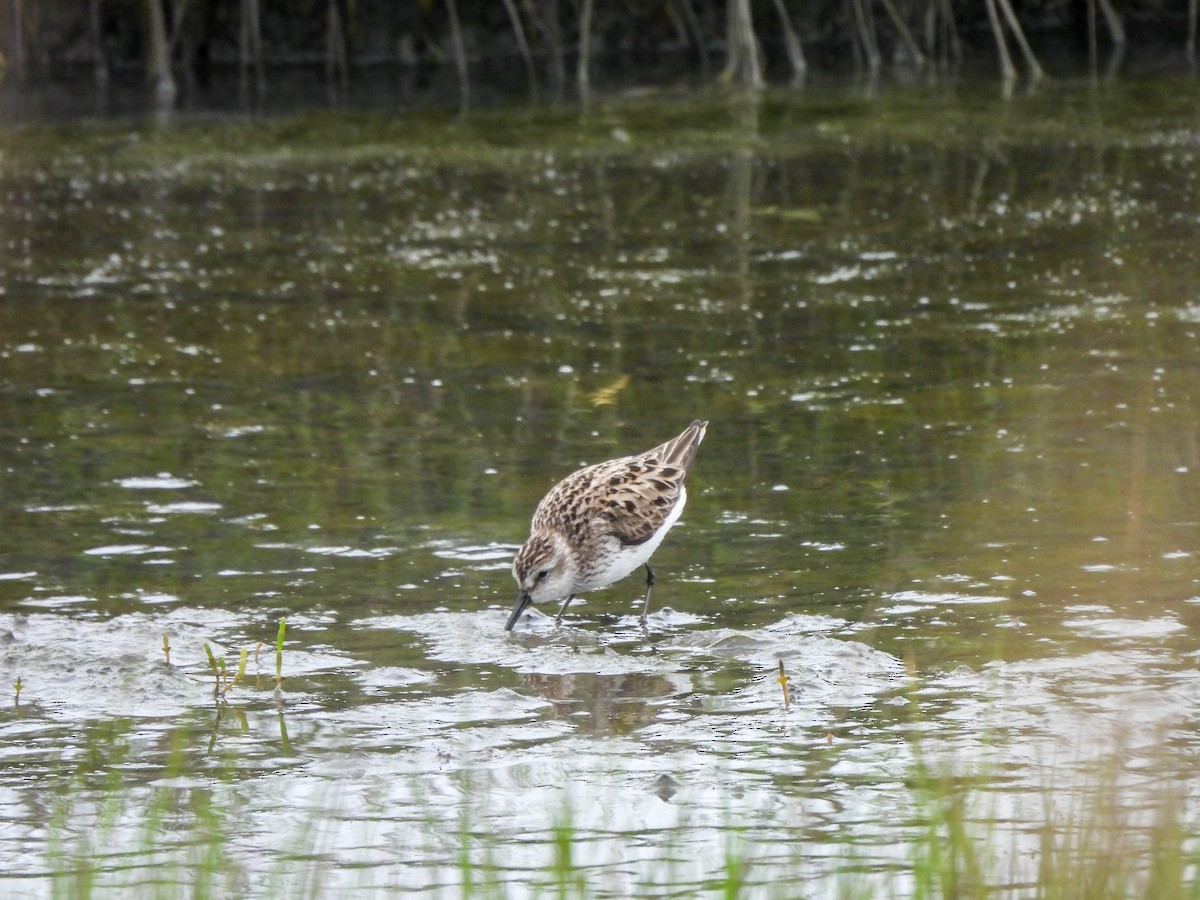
{"type": "Point", "coordinates": [601, 523]}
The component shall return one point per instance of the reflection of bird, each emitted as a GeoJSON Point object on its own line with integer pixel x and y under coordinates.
{"type": "Point", "coordinates": [599, 524]}
{"type": "Point", "coordinates": [604, 704]}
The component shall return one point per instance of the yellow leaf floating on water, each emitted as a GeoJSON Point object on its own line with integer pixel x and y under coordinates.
{"type": "Point", "coordinates": [799, 214]}
{"type": "Point", "coordinates": [783, 680]}
{"type": "Point", "coordinates": [607, 396]}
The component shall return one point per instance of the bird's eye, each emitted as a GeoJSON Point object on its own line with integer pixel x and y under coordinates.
{"type": "Point", "coordinates": [542, 574]}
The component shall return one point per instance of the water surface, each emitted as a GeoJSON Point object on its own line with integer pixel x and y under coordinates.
{"type": "Point", "coordinates": [322, 367]}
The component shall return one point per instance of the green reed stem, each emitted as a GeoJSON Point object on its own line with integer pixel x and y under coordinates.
{"type": "Point", "coordinates": [279, 651]}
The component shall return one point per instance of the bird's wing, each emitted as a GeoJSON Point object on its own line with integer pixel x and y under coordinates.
{"type": "Point", "coordinates": [640, 491]}
{"type": "Point", "coordinates": [637, 496]}
{"type": "Point", "coordinates": [631, 496]}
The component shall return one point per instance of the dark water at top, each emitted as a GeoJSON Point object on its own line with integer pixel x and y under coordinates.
{"type": "Point", "coordinates": [323, 367]}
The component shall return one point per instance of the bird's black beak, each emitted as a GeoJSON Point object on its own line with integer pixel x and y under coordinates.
{"type": "Point", "coordinates": [523, 601]}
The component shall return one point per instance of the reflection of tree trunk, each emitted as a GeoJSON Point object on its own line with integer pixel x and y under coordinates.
{"type": "Point", "coordinates": [607, 241]}
{"type": "Point", "coordinates": [514, 16]}
{"type": "Point", "coordinates": [96, 39]}
{"type": "Point", "coordinates": [460, 56]}
{"type": "Point", "coordinates": [975, 194]}
{"type": "Point", "coordinates": [585, 50]}
{"type": "Point", "coordinates": [250, 51]}
{"type": "Point", "coordinates": [741, 184]}
{"type": "Point", "coordinates": [1139, 469]}
{"type": "Point", "coordinates": [791, 42]}
{"type": "Point", "coordinates": [160, 56]}
{"type": "Point", "coordinates": [606, 215]}
{"type": "Point", "coordinates": [742, 64]}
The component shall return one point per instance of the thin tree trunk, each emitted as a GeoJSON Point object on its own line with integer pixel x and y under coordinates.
{"type": "Point", "coordinates": [20, 57]}
{"type": "Point", "coordinates": [582, 77]}
{"type": "Point", "coordinates": [791, 41]}
{"type": "Point", "coordinates": [1035, 68]}
{"type": "Point", "coordinates": [918, 58]}
{"type": "Point", "coordinates": [179, 9]}
{"type": "Point", "coordinates": [514, 16]}
{"type": "Point", "coordinates": [250, 51]}
{"type": "Point", "coordinates": [556, 73]}
{"type": "Point", "coordinates": [1007, 70]}
{"type": "Point", "coordinates": [337, 75]}
{"type": "Point", "coordinates": [256, 47]}
{"type": "Point", "coordinates": [96, 39]}
{"type": "Point", "coordinates": [1116, 28]}
{"type": "Point", "coordinates": [693, 24]}
{"type": "Point", "coordinates": [865, 26]}
{"type": "Point", "coordinates": [1193, 20]}
{"type": "Point", "coordinates": [244, 52]}
{"type": "Point", "coordinates": [872, 33]}
{"type": "Point", "coordinates": [952, 39]}
{"type": "Point", "coordinates": [460, 56]}
{"type": "Point", "coordinates": [181, 45]}
{"type": "Point", "coordinates": [1093, 45]}
{"type": "Point", "coordinates": [742, 66]}
{"type": "Point", "coordinates": [681, 30]}
{"type": "Point", "coordinates": [929, 27]}
{"type": "Point", "coordinates": [160, 56]}
{"type": "Point", "coordinates": [1113, 66]}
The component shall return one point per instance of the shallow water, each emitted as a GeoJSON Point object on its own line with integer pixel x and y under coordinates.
{"type": "Point", "coordinates": [322, 367]}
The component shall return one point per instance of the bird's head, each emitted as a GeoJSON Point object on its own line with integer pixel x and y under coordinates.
{"type": "Point", "coordinates": [545, 571]}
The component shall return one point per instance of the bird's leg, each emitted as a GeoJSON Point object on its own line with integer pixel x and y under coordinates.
{"type": "Point", "coordinates": [649, 588]}
{"type": "Point", "coordinates": [566, 603]}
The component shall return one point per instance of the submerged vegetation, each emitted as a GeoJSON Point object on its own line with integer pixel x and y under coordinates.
{"type": "Point", "coordinates": [170, 818]}
{"type": "Point", "coordinates": [223, 679]}
{"type": "Point", "coordinates": [552, 47]}
{"type": "Point", "coordinates": [1091, 843]}
{"type": "Point", "coordinates": [117, 823]}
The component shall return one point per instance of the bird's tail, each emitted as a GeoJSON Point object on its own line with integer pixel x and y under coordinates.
{"type": "Point", "coordinates": [681, 450]}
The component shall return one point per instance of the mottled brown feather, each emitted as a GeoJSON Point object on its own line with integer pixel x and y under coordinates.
{"type": "Point", "coordinates": [632, 495]}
